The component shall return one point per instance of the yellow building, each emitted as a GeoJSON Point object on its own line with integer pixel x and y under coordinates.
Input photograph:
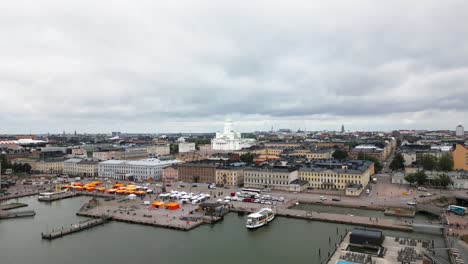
{"type": "Point", "coordinates": [232, 176]}
{"type": "Point", "coordinates": [351, 176]}
{"type": "Point", "coordinates": [311, 153]}
{"type": "Point", "coordinates": [47, 166]}
{"type": "Point", "coordinates": [460, 157]}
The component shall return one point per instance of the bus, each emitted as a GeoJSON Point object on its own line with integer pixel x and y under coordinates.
{"type": "Point", "coordinates": [459, 210]}
{"type": "Point", "coordinates": [250, 191]}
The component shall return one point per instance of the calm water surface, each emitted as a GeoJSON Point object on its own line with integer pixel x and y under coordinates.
{"type": "Point", "coordinates": [284, 241]}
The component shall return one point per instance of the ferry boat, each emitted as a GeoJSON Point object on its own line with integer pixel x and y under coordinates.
{"type": "Point", "coordinates": [260, 218]}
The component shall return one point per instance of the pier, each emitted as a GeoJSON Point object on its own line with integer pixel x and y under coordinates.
{"type": "Point", "coordinates": [11, 206]}
{"type": "Point", "coordinates": [7, 215]}
{"type": "Point", "coordinates": [49, 197]}
{"type": "Point", "coordinates": [340, 219]}
{"type": "Point", "coordinates": [63, 231]}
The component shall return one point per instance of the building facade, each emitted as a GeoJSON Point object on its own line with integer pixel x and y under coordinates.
{"type": "Point", "coordinates": [47, 166]}
{"type": "Point", "coordinates": [142, 170]}
{"type": "Point", "coordinates": [283, 179]}
{"type": "Point", "coordinates": [170, 174]}
{"type": "Point", "coordinates": [159, 150]}
{"type": "Point", "coordinates": [229, 176]}
{"type": "Point", "coordinates": [460, 157]}
{"type": "Point", "coordinates": [230, 139]}
{"type": "Point", "coordinates": [336, 175]}
{"type": "Point", "coordinates": [197, 172]}
{"type": "Point", "coordinates": [460, 131]}
{"type": "Point", "coordinates": [186, 147]}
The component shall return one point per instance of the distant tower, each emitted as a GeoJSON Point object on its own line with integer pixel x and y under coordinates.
{"type": "Point", "coordinates": [342, 128]}
{"type": "Point", "coordinates": [459, 131]}
{"type": "Point", "coordinates": [64, 133]}
{"type": "Point", "coordinates": [75, 132]}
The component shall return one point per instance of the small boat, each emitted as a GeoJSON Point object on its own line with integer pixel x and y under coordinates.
{"type": "Point", "coordinates": [260, 218]}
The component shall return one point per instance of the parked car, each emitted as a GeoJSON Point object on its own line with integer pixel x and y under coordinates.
{"type": "Point", "coordinates": [411, 203]}
{"type": "Point", "coordinates": [323, 198]}
{"type": "Point", "coordinates": [422, 189]}
{"type": "Point", "coordinates": [336, 199]}
{"type": "Point", "coordinates": [367, 191]}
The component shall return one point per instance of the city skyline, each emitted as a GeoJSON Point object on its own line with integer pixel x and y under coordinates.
{"type": "Point", "coordinates": [185, 67]}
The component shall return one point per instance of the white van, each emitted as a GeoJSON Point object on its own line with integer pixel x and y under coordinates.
{"type": "Point", "coordinates": [422, 189]}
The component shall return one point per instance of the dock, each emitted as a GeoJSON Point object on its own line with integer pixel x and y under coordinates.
{"type": "Point", "coordinates": [340, 219]}
{"type": "Point", "coordinates": [50, 197]}
{"type": "Point", "coordinates": [63, 231]}
{"type": "Point", "coordinates": [11, 206]}
{"type": "Point", "coordinates": [7, 215]}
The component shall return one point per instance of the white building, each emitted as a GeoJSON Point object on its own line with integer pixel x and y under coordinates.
{"type": "Point", "coordinates": [186, 147]}
{"type": "Point", "coordinates": [460, 131]}
{"type": "Point", "coordinates": [139, 169]}
{"type": "Point", "coordinates": [230, 139]}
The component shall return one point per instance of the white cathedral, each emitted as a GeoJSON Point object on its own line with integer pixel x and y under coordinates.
{"type": "Point", "coordinates": [230, 139]}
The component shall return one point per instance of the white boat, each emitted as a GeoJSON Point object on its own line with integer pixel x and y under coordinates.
{"type": "Point", "coordinates": [260, 218]}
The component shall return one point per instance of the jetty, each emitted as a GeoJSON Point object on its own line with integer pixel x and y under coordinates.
{"type": "Point", "coordinates": [63, 231]}
{"type": "Point", "coordinates": [341, 219]}
{"type": "Point", "coordinates": [11, 206]}
{"type": "Point", "coordinates": [54, 196]}
{"type": "Point", "coordinates": [7, 215]}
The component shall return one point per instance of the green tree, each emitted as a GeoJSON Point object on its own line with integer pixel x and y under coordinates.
{"type": "Point", "coordinates": [445, 163]}
{"type": "Point", "coordinates": [428, 162]}
{"type": "Point", "coordinates": [410, 178]}
{"type": "Point", "coordinates": [340, 154]}
{"type": "Point", "coordinates": [398, 162]}
{"type": "Point", "coordinates": [174, 148]}
{"type": "Point", "coordinates": [420, 177]}
{"type": "Point", "coordinates": [377, 165]}
{"type": "Point", "coordinates": [247, 157]}
{"type": "Point", "coordinates": [444, 180]}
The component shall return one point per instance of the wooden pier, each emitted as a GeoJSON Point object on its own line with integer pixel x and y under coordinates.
{"type": "Point", "coordinates": [63, 231]}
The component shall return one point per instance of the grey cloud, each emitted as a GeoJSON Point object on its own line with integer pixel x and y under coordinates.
{"type": "Point", "coordinates": [153, 66]}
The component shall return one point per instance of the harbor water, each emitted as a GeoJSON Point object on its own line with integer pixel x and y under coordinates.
{"type": "Point", "coordinates": [283, 241]}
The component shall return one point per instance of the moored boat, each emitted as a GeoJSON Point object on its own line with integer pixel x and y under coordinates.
{"type": "Point", "coordinates": [260, 218]}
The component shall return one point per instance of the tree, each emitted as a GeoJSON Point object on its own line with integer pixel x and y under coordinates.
{"type": "Point", "coordinates": [340, 154]}
{"type": "Point", "coordinates": [398, 162]}
{"type": "Point", "coordinates": [174, 148]}
{"type": "Point", "coordinates": [377, 165]}
{"type": "Point", "coordinates": [410, 178]}
{"type": "Point", "coordinates": [247, 157]}
{"type": "Point", "coordinates": [420, 177]}
{"type": "Point", "coordinates": [428, 162]}
{"type": "Point", "coordinates": [445, 163]}
{"type": "Point", "coordinates": [444, 180]}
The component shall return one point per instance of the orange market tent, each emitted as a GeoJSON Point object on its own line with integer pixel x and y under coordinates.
{"type": "Point", "coordinates": [90, 189]}
{"type": "Point", "coordinates": [68, 186]}
{"type": "Point", "coordinates": [172, 206]}
{"type": "Point", "coordinates": [117, 185]}
{"type": "Point", "coordinates": [140, 193]}
{"type": "Point", "coordinates": [77, 184]}
{"type": "Point", "coordinates": [111, 190]}
{"type": "Point", "coordinates": [79, 188]}
{"type": "Point", "coordinates": [96, 183]}
{"type": "Point", "coordinates": [120, 192]}
{"type": "Point", "coordinates": [157, 204]}
{"type": "Point", "coordinates": [102, 189]}
{"type": "Point", "coordinates": [130, 191]}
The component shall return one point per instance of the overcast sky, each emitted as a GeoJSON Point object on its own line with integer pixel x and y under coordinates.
{"type": "Point", "coordinates": [186, 66]}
